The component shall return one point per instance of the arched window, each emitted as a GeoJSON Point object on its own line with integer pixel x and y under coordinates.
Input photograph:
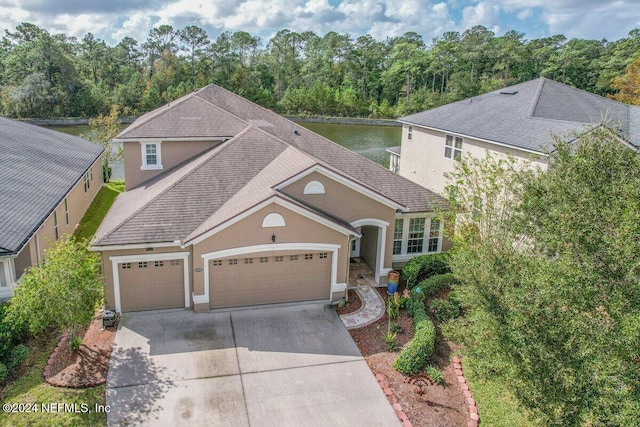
{"type": "Point", "coordinates": [314, 187]}
{"type": "Point", "coordinates": [273, 220]}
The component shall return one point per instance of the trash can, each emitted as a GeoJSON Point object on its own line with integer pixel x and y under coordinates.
{"type": "Point", "coordinates": [392, 282]}
{"type": "Point", "coordinates": [109, 319]}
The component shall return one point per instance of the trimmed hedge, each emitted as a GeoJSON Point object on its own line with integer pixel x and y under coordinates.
{"type": "Point", "coordinates": [415, 355]}
{"type": "Point", "coordinates": [434, 284]}
{"type": "Point", "coordinates": [424, 266]}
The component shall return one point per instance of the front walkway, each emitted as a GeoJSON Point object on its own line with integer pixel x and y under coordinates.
{"type": "Point", "coordinates": [372, 309]}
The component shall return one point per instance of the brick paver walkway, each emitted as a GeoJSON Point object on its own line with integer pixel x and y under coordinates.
{"type": "Point", "coordinates": [372, 309]}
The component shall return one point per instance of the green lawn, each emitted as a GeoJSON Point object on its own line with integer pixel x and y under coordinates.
{"type": "Point", "coordinates": [98, 209]}
{"type": "Point", "coordinates": [31, 389]}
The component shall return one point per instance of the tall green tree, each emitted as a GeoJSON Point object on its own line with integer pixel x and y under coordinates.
{"type": "Point", "coordinates": [551, 264]}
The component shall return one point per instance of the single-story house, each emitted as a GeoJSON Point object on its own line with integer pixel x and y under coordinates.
{"type": "Point", "coordinates": [48, 179]}
{"type": "Point", "coordinates": [229, 204]}
{"type": "Point", "coordinates": [519, 120]}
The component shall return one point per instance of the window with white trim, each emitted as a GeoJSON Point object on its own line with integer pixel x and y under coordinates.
{"type": "Point", "coordinates": [248, 260]}
{"type": "Point", "coordinates": [410, 133]}
{"type": "Point", "coordinates": [55, 225]}
{"type": "Point", "coordinates": [3, 277]}
{"type": "Point", "coordinates": [323, 255]}
{"type": "Point", "coordinates": [453, 147]}
{"type": "Point", "coordinates": [126, 265]}
{"type": "Point", "coordinates": [279, 258]}
{"type": "Point", "coordinates": [415, 241]}
{"type": "Point", "coordinates": [66, 211]}
{"type": "Point", "coordinates": [151, 156]}
{"type": "Point", "coordinates": [175, 262]}
{"type": "Point", "coordinates": [308, 256]}
{"type": "Point", "coordinates": [87, 182]}
{"type": "Point", "coordinates": [158, 263]}
{"type": "Point", "coordinates": [233, 261]}
{"type": "Point", "coordinates": [217, 262]}
{"type": "Point", "coordinates": [415, 235]}
{"type": "Point", "coordinates": [142, 264]}
{"type": "Point", "coordinates": [264, 260]}
{"type": "Point", "coordinates": [397, 236]}
{"type": "Point", "coordinates": [293, 257]}
{"type": "Point", "coordinates": [434, 235]}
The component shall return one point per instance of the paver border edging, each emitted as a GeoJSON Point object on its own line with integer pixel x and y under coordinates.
{"type": "Point", "coordinates": [393, 401]}
{"type": "Point", "coordinates": [474, 417]}
{"type": "Point", "coordinates": [53, 381]}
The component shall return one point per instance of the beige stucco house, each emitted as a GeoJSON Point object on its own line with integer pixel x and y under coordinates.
{"type": "Point", "coordinates": [229, 204]}
{"type": "Point", "coordinates": [520, 120]}
{"type": "Point", "coordinates": [48, 179]}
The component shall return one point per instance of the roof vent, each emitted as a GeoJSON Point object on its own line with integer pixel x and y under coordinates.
{"type": "Point", "coordinates": [508, 92]}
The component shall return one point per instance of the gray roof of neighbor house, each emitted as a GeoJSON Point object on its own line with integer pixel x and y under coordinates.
{"type": "Point", "coordinates": [528, 115]}
{"type": "Point", "coordinates": [263, 150]}
{"type": "Point", "coordinates": [38, 167]}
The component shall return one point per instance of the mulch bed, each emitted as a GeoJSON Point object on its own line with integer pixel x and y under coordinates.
{"type": "Point", "coordinates": [440, 405]}
{"type": "Point", "coordinates": [354, 303]}
{"type": "Point", "coordinates": [85, 367]}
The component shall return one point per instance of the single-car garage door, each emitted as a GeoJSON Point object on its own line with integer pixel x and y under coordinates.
{"type": "Point", "coordinates": [151, 285]}
{"type": "Point", "coordinates": [269, 278]}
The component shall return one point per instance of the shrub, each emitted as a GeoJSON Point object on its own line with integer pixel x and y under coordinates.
{"type": "Point", "coordinates": [424, 266]}
{"type": "Point", "coordinates": [416, 300]}
{"type": "Point", "coordinates": [11, 332]}
{"type": "Point", "coordinates": [3, 372]}
{"type": "Point", "coordinates": [444, 310]}
{"type": "Point", "coordinates": [434, 284]}
{"type": "Point", "coordinates": [415, 355]}
{"type": "Point", "coordinates": [17, 355]}
{"type": "Point", "coordinates": [75, 343]}
{"type": "Point", "coordinates": [434, 375]}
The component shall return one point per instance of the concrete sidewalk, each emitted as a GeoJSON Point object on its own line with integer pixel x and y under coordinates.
{"type": "Point", "coordinates": [279, 366]}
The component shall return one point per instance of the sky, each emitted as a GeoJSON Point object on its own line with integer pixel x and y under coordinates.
{"type": "Point", "coordinates": [113, 20]}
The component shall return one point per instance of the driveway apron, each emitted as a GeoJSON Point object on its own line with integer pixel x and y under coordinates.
{"type": "Point", "coordinates": [278, 366]}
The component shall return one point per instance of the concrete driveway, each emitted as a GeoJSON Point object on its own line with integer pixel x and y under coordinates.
{"type": "Point", "coordinates": [278, 366]}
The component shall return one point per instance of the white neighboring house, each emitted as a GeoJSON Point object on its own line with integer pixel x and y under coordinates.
{"type": "Point", "coordinates": [520, 120]}
{"type": "Point", "coordinates": [47, 181]}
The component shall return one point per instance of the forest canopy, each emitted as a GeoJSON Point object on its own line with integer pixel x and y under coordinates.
{"type": "Point", "coordinates": [54, 75]}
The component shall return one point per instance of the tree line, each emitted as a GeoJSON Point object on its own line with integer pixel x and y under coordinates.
{"type": "Point", "coordinates": [55, 75]}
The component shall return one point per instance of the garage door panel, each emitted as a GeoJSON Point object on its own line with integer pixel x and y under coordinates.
{"type": "Point", "coordinates": [157, 285]}
{"type": "Point", "coordinates": [278, 278]}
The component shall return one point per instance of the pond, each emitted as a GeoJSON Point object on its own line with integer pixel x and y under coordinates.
{"type": "Point", "coordinates": [369, 141]}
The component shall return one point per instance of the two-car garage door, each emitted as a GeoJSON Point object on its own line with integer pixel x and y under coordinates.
{"type": "Point", "coordinates": [265, 278]}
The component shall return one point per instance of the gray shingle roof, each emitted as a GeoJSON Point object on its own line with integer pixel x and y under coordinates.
{"type": "Point", "coordinates": [529, 114]}
{"type": "Point", "coordinates": [38, 167]}
{"type": "Point", "coordinates": [266, 149]}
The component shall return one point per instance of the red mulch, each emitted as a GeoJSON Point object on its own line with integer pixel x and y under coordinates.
{"type": "Point", "coordinates": [440, 405]}
{"type": "Point", "coordinates": [85, 367]}
{"type": "Point", "coordinates": [354, 304]}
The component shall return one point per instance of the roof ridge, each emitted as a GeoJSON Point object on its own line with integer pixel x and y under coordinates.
{"type": "Point", "coordinates": [203, 158]}
{"type": "Point", "coordinates": [536, 97]}
{"type": "Point", "coordinates": [155, 113]}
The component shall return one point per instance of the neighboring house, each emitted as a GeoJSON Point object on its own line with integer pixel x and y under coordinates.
{"type": "Point", "coordinates": [230, 204]}
{"type": "Point", "coordinates": [47, 181]}
{"type": "Point", "coordinates": [520, 120]}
